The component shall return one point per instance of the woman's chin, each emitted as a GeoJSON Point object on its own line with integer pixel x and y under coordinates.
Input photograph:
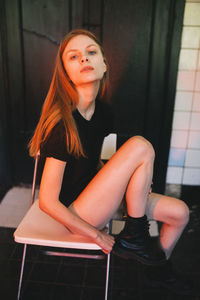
{"type": "Point", "coordinates": [88, 81]}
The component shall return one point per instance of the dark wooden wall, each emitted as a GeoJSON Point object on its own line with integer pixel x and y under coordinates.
{"type": "Point", "coordinates": [142, 42]}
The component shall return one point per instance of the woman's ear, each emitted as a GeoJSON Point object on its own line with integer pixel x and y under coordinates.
{"type": "Point", "coordinates": [105, 67]}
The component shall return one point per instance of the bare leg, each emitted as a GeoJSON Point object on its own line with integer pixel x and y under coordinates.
{"type": "Point", "coordinates": [174, 214]}
{"type": "Point", "coordinates": [138, 187]}
{"type": "Point", "coordinates": [130, 168]}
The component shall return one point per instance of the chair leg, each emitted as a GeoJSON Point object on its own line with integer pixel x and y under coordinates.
{"type": "Point", "coordinates": [107, 276]}
{"type": "Point", "coordinates": [22, 271]}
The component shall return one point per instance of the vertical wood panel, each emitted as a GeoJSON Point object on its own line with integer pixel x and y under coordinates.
{"type": "Point", "coordinates": [156, 97]}
{"type": "Point", "coordinates": [175, 34]}
{"type": "Point", "coordinates": [159, 60]}
{"type": "Point", "coordinates": [93, 14]}
{"type": "Point", "coordinates": [15, 65]}
{"type": "Point", "coordinates": [16, 128]}
{"type": "Point", "coordinates": [5, 142]}
{"type": "Point", "coordinates": [165, 48]}
{"type": "Point", "coordinates": [92, 20]}
{"type": "Point", "coordinates": [77, 13]}
{"type": "Point", "coordinates": [88, 14]}
{"type": "Point", "coordinates": [44, 25]}
{"type": "Point", "coordinates": [126, 41]}
{"type": "Point", "coordinates": [138, 43]}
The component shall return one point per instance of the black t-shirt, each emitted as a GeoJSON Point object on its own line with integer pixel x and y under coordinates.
{"type": "Point", "coordinates": [79, 171]}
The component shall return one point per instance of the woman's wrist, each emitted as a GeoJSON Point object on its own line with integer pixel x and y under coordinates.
{"type": "Point", "coordinates": [96, 234]}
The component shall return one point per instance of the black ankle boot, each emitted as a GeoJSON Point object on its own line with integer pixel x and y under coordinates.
{"type": "Point", "coordinates": [165, 276]}
{"type": "Point", "coordinates": [135, 242]}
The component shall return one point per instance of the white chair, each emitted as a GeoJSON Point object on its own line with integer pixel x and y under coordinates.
{"type": "Point", "coordinates": [38, 228]}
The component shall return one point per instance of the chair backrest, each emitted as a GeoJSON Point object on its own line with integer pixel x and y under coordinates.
{"type": "Point", "coordinates": [109, 146]}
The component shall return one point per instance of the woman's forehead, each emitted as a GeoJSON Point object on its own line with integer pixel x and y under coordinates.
{"type": "Point", "coordinates": [80, 41]}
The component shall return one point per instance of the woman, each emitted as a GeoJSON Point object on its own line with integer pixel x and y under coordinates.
{"type": "Point", "coordinates": [69, 135]}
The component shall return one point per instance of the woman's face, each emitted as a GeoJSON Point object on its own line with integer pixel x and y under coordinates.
{"type": "Point", "coordinates": [83, 60]}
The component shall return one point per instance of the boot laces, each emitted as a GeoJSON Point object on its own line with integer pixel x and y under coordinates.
{"type": "Point", "coordinates": [146, 228]}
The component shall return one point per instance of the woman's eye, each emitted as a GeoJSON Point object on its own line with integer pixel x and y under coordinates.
{"type": "Point", "coordinates": [73, 57]}
{"type": "Point", "coordinates": [92, 52]}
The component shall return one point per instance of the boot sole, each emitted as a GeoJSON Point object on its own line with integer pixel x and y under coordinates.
{"type": "Point", "coordinates": [128, 254]}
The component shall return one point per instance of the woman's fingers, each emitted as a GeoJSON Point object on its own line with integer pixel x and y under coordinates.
{"type": "Point", "coordinates": [105, 241]}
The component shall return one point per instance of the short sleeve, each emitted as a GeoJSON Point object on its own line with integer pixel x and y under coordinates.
{"type": "Point", "coordinates": [55, 144]}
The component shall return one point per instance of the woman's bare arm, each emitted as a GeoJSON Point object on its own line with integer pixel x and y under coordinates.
{"type": "Point", "coordinates": [49, 202]}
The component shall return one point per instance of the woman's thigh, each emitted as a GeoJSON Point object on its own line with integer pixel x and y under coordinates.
{"type": "Point", "coordinates": [103, 195]}
{"type": "Point", "coordinates": [166, 209]}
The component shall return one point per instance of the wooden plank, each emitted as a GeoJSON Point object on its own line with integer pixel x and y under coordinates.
{"type": "Point", "coordinates": [166, 38]}
{"type": "Point", "coordinates": [44, 25]}
{"type": "Point", "coordinates": [95, 17]}
{"type": "Point", "coordinates": [157, 76]}
{"type": "Point", "coordinates": [5, 138]}
{"type": "Point", "coordinates": [92, 12]}
{"type": "Point", "coordinates": [87, 14]}
{"type": "Point", "coordinates": [139, 41]}
{"type": "Point", "coordinates": [15, 66]}
{"type": "Point", "coordinates": [77, 13]}
{"type": "Point", "coordinates": [19, 158]}
{"type": "Point", "coordinates": [49, 19]}
{"type": "Point", "coordinates": [175, 32]}
{"type": "Point", "coordinates": [126, 39]}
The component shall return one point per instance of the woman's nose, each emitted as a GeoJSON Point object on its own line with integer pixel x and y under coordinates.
{"type": "Point", "coordinates": [83, 59]}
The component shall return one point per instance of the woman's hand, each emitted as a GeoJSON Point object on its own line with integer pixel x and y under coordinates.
{"type": "Point", "coordinates": [105, 241]}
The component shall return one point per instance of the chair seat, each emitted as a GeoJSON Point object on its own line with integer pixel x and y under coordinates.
{"type": "Point", "coordinates": [38, 228]}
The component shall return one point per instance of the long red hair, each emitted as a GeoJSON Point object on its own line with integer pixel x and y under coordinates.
{"type": "Point", "coordinates": [61, 100]}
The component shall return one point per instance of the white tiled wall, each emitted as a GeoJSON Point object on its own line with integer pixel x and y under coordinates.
{"type": "Point", "coordinates": [184, 157]}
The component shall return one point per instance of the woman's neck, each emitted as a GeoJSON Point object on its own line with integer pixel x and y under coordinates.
{"type": "Point", "coordinates": [87, 96]}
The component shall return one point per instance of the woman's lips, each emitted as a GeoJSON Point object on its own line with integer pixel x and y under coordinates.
{"type": "Point", "coordinates": [87, 68]}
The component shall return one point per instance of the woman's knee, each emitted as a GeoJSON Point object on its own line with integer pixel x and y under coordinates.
{"type": "Point", "coordinates": [181, 214]}
{"type": "Point", "coordinates": [143, 146]}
